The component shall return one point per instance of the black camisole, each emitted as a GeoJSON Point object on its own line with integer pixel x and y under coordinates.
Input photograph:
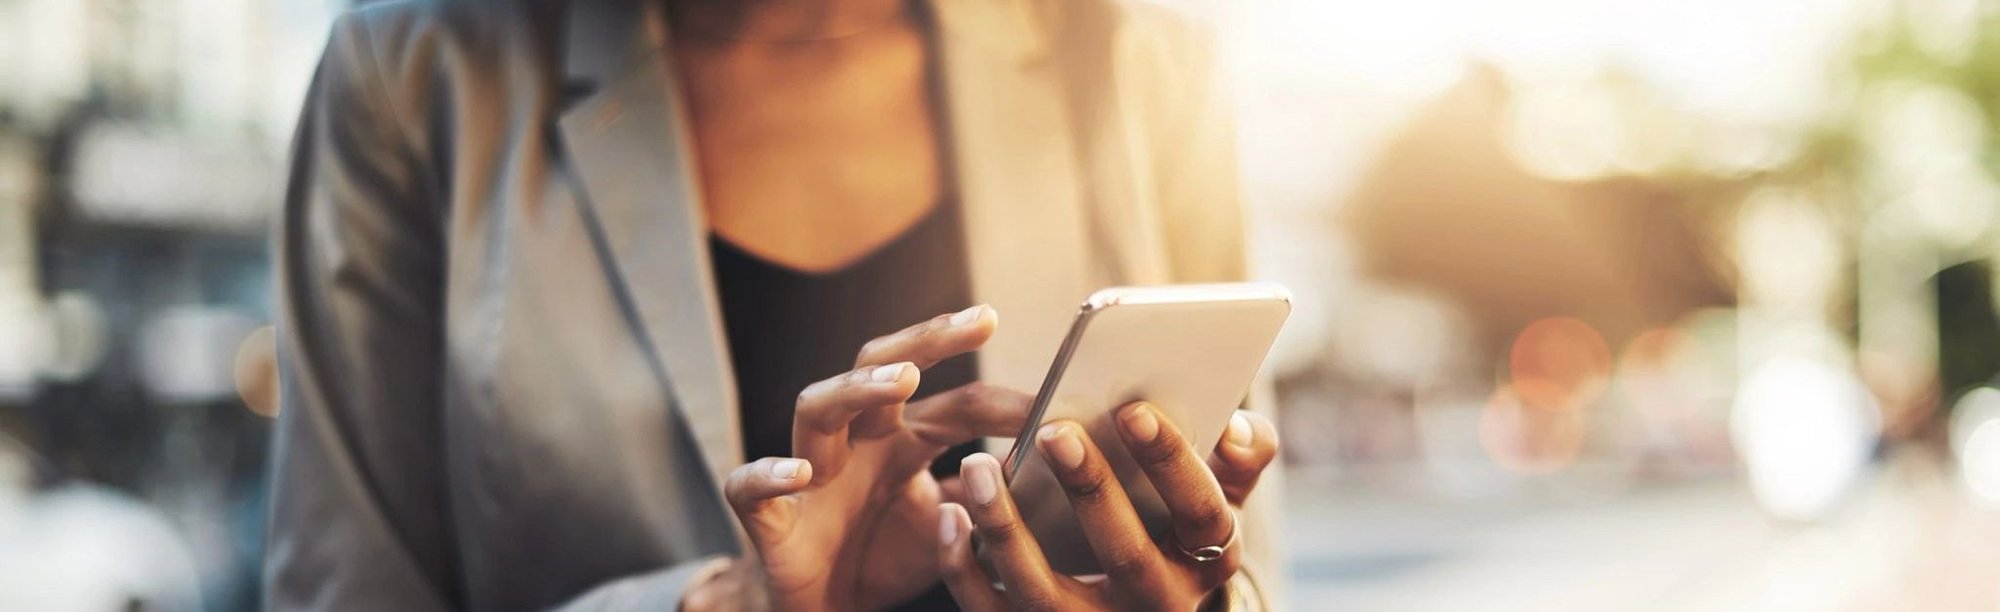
{"type": "Point", "coordinates": [788, 329]}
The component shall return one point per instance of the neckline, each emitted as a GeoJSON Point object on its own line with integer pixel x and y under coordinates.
{"type": "Point", "coordinates": [924, 225]}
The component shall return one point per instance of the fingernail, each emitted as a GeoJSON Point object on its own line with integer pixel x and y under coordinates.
{"type": "Point", "coordinates": [787, 469]}
{"type": "Point", "coordinates": [1140, 422]}
{"type": "Point", "coordinates": [947, 525]}
{"type": "Point", "coordinates": [1060, 442]}
{"type": "Point", "coordinates": [968, 315]}
{"type": "Point", "coordinates": [1239, 430]}
{"type": "Point", "coordinates": [982, 479]}
{"type": "Point", "coordinates": [888, 373]}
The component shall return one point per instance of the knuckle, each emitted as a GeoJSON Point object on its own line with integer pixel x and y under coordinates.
{"type": "Point", "coordinates": [1160, 451]}
{"type": "Point", "coordinates": [978, 391]}
{"type": "Point", "coordinates": [989, 399]}
{"type": "Point", "coordinates": [1089, 490]}
{"type": "Point", "coordinates": [1002, 533]}
{"type": "Point", "coordinates": [1126, 563]}
{"type": "Point", "coordinates": [984, 403]}
{"type": "Point", "coordinates": [1208, 517]}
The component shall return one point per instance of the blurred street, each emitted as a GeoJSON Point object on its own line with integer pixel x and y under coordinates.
{"type": "Point", "coordinates": [1908, 542]}
{"type": "Point", "coordinates": [1628, 305]}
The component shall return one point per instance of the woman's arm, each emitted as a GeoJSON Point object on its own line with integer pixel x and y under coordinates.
{"type": "Point", "coordinates": [359, 519]}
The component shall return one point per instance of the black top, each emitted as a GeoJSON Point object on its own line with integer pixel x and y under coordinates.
{"type": "Point", "coordinates": [788, 329]}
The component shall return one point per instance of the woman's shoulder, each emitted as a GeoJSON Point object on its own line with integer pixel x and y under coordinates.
{"type": "Point", "coordinates": [409, 64]}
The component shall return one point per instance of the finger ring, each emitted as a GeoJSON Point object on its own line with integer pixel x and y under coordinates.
{"type": "Point", "coordinates": [1211, 553]}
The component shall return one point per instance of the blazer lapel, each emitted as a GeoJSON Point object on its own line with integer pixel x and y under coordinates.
{"type": "Point", "coordinates": [627, 144]}
{"type": "Point", "coordinates": [1017, 179]}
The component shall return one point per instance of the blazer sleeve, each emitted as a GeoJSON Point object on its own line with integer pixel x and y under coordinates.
{"type": "Point", "coordinates": [359, 515]}
{"type": "Point", "coordinates": [358, 519]}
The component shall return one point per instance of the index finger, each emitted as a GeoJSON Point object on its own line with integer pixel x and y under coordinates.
{"type": "Point", "coordinates": [932, 341]}
{"type": "Point", "coordinates": [968, 413]}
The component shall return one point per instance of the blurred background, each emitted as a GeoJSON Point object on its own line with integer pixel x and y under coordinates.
{"type": "Point", "coordinates": [1605, 304]}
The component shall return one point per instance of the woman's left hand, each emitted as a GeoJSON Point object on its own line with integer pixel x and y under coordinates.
{"type": "Point", "coordinates": [1140, 574]}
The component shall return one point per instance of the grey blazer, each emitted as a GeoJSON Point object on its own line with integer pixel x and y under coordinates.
{"type": "Point", "coordinates": [504, 380]}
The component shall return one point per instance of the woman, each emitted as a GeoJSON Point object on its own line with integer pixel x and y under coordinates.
{"type": "Point", "coordinates": [558, 279]}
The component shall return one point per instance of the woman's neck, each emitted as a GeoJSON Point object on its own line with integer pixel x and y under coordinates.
{"type": "Point", "coordinates": [784, 20]}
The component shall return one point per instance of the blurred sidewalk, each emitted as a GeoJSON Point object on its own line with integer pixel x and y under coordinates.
{"type": "Point", "coordinates": [1907, 541]}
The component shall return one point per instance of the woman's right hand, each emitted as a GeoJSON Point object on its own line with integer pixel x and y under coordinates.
{"type": "Point", "coordinates": [850, 522]}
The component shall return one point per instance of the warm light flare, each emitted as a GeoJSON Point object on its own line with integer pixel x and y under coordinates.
{"type": "Point", "coordinates": [1559, 363]}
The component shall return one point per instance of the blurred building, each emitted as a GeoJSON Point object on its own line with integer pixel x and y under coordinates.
{"type": "Point", "coordinates": [141, 147]}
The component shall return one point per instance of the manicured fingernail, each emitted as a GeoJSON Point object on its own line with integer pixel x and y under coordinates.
{"type": "Point", "coordinates": [947, 524]}
{"type": "Point", "coordinates": [888, 373]}
{"type": "Point", "coordinates": [968, 315]}
{"type": "Point", "coordinates": [788, 468]}
{"type": "Point", "coordinates": [1061, 443]}
{"type": "Point", "coordinates": [1140, 422]}
{"type": "Point", "coordinates": [982, 477]}
{"type": "Point", "coordinates": [1239, 430]}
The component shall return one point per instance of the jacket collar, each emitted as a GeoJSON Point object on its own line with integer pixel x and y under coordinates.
{"type": "Point", "coordinates": [627, 143]}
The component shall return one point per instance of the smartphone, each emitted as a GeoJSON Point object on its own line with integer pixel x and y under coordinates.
{"type": "Point", "coordinates": [1192, 350]}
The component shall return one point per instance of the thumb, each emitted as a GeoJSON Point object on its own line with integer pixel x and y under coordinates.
{"type": "Point", "coordinates": [760, 493]}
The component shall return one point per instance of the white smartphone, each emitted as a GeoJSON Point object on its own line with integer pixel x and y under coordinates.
{"type": "Point", "coordinates": [1192, 350]}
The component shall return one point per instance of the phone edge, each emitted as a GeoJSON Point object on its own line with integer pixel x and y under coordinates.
{"type": "Point", "coordinates": [1018, 454]}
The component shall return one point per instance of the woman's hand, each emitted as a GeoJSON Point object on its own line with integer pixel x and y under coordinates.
{"type": "Point", "coordinates": [848, 523]}
{"type": "Point", "coordinates": [1140, 573]}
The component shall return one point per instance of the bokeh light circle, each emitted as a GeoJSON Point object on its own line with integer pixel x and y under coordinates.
{"type": "Point", "coordinates": [1558, 363]}
{"type": "Point", "coordinates": [1805, 431]}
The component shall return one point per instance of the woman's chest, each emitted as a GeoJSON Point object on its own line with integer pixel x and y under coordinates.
{"type": "Point", "coordinates": [812, 159]}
